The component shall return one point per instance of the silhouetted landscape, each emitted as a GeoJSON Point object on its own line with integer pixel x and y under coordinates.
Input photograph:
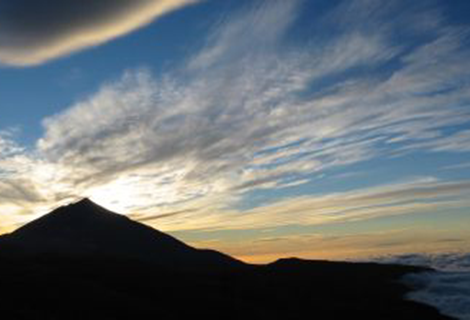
{"type": "Point", "coordinates": [84, 262]}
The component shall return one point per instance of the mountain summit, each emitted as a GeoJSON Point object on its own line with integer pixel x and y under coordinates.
{"type": "Point", "coordinates": [87, 229]}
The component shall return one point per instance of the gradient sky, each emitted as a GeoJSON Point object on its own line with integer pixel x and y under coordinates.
{"type": "Point", "coordinates": [315, 128]}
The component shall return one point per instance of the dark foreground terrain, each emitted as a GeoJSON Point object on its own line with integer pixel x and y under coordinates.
{"type": "Point", "coordinates": [49, 273]}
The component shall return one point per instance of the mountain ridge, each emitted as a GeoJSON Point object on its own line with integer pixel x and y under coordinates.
{"type": "Point", "coordinates": [85, 228]}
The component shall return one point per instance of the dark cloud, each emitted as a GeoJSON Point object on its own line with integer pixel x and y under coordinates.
{"type": "Point", "coordinates": [33, 31]}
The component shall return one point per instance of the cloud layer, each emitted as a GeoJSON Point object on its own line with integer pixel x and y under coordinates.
{"type": "Point", "coordinates": [32, 32]}
{"type": "Point", "coordinates": [449, 262]}
{"type": "Point", "coordinates": [448, 290]}
{"type": "Point", "coordinates": [253, 111]}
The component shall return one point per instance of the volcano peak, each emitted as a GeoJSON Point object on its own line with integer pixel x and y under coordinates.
{"type": "Point", "coordinates": [85, 228]}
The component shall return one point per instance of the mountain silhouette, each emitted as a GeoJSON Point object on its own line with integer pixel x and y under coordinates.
{"type": "Point", "coordinates": [87, 229]}
{"type": "Point", "coordinates": [82, 261]}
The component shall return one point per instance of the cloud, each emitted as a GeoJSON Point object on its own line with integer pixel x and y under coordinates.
{"type": "Point", "coordinates": [451, 262]}
{"type": "Point", "coordinates": [33, 32]}
{"type": "Point", "coordinates": [459, 141]}
{"type": "Point", "coordinates": [252, 110]}
{"type": "Point", "coordinates": [8, 147]}
{"type": "Point", "coordinates": [458, 166]}
{"type": "Point", "coordinates": [448, 290]}
{"type": "Point", "coordinates": [418, 196]}
{"type": "Point", "coordinates": [262, 23]}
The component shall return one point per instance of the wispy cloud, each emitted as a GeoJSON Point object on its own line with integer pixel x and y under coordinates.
{"type": "Point", "coordinates": [459, 166]}
{"type": "Point", "coordinates": [417, 196]}
{"type": "Point", "coordinates": [33, 32]}
{"type": "Point", "coordinates": [252, 110]}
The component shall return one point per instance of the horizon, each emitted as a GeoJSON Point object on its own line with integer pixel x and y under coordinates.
{"type": "Point", "coordinates": [263, 129]}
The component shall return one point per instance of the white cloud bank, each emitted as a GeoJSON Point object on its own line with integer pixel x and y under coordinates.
{"type": "Point", "coordinates": [32, 32]}
{"type": "Point", "coordinates": [448, 289]}
{"type": "Point", "coordinates": [252, 111]}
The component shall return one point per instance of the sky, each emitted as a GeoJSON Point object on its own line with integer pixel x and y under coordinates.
{"type": "Point", "coordinates": [265, 129]}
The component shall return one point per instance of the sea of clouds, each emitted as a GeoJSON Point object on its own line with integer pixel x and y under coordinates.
{"type": "Point", "coordinates": [448, 288]}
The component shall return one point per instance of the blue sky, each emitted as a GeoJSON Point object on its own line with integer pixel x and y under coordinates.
{"type": "Point", "coordinates": [314, 128]}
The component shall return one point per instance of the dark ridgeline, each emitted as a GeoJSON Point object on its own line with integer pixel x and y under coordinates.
{"type": "Point", "coordinates": [84, 262]}
{"type": "Point", "coordinates": [85, 229]}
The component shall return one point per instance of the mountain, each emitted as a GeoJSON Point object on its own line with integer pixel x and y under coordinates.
{"type": "Point", "coordinates": [86, 229]}
{"type": "Point", "coordinates": [82, 261]}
